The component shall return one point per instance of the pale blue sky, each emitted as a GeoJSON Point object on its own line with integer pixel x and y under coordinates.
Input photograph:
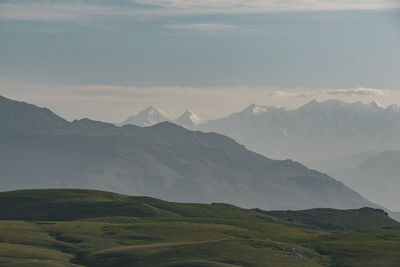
{"type": "Point", "coordinates": [212, 46]}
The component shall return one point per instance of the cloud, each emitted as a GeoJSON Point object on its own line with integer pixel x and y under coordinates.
{"type": "Point", "coordinates": [44, 11]}
{"type": "Point", "coordinates": [360, 91]}
{"type": "Point", "coordinates": [279, 94]}
{"type": "Point", "coordinates": [357, 91]}
{"type": "Point", "coordinates": [260, 6]}
{"type": "Point", "coordinates": [78, 11]}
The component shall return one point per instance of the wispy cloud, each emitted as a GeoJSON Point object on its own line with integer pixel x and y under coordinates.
{"type": "Point", "coordinates": [357, 91]}
{"type": "Point", "coordinates": [77, 11]}
{"type": "Point", "coordinates": [257, 6]}
{"type": "Point", "coordinates": [360, 91]}
{"type": "Point", "coordinates": [279, 94]}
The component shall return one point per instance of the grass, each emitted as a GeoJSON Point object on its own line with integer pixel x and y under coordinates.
{"type": "Point", "coordinates": [93, 228]}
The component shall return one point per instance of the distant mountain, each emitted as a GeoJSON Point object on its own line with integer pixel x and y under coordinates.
{"type": "Point", "coordinates": [315, 131]}
{"type": "Point", "coordinates": [377, 178]}
{"type": "Point", "coordinates": [188, 119]}
{"type": "Point", "coordinates": [153, 115]}
{"type": "Point", "coordinates": [164, 160]}
{"type": "Point", "coordinates": [150, 116]}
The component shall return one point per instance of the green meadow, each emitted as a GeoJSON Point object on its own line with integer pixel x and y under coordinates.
{"type": "Point", "coordinates": [94, 228]}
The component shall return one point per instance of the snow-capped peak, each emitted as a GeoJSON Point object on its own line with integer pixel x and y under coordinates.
{"type": "Point", "coordinates": [256, 109]}
{"type": "Point", "coordinates": [188, 119]}
{"type": "Point", "coordinates": [154, 111]}
{"type": "Point", "coordinates": [150, 116]}
{"type": "Point", "coordinates": [333, 105]}
{"type": "Point", "coordinates": [377, 105]}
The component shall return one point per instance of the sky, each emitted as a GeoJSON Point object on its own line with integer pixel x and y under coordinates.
{"type": "Point", "coordinates": [108, 60]}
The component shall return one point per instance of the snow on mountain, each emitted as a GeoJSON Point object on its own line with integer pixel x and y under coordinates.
{"type": "Point", "coordinates": [315, 131]}
{"type": "Point", "coordinates": [254, 109]}
{"type": "Point", "coordinates": [150, 116]}
{"type": "Point", "coordinates": [188, 119]}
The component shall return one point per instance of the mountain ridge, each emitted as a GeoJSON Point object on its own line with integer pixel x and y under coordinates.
{"type": "Point", "coordinates": [314, 131]}
{"type": "Point", "coordinates": [165, 161]}
{"type": "Point", "coordinates": [153, 115]}
{"type": "Point", "coordinates": [188, 119]}
{"type": "Point", "coordinates": [147, 117]}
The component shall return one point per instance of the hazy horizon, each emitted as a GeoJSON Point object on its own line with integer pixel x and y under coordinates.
{"type": "Point", "coordinates": [214, 110]}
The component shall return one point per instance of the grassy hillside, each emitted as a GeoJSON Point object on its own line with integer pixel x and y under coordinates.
{"type": "Point", "coordinates": [94, 228]}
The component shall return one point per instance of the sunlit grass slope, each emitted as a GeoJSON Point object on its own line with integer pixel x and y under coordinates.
{"type": "Point", "coordinates": [94, 228]}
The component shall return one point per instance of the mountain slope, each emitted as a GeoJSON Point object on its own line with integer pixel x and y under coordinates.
{"type": "Point", "coordinates": [26, 118]}
{"type": "Point", "coordinates": [165, 161]}
{"type": "Point", "coordinates": [173, 171]}
{"type": "Point", "coordinates": [315, 131]}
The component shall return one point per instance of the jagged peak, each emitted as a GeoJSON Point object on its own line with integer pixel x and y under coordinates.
{"type": "Point", "coordinates": [188, 118]}
{"type": "Point", "coordinates": [187, 111]}
{"type": "Point", "coordinates": [335, 104]}
{"type": "Point", "coordinates": [393, 107]}
{"type": "Point", "coordinates": [153, 109]}
{"type": "Point", "coordinates": [257, 109]}
{"type": "Point", "coordinates": [377, 105]}
{"type": "Point", "coordinates": [327, 106]}
{"type": "Point", "coordinates": [147, 117]}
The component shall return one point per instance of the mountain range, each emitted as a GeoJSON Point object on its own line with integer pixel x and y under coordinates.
{"type": "Point", "coordinates": [42, 150]}
{"type": "Point", "coordinates": [153, 115]}
{"type": "Point", "coordinates": [315, 131]}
